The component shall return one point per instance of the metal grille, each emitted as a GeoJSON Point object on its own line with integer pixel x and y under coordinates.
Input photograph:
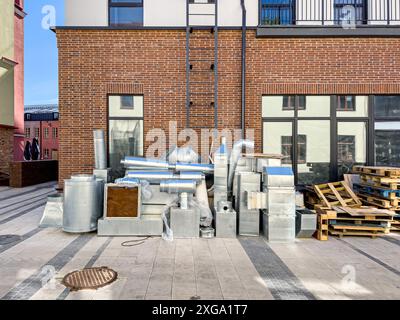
{"type": "Point", "coordinates": [90, 278]}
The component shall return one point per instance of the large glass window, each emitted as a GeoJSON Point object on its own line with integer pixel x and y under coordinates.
{"type": "Point", "coordinates": [351, 145]}
{"type": "Point", "coordinates": [125, 128]}
{"type": "Point", "coordinates": [350, 11]}
{"type": "Point", "coordinates": [316, 167]}
{"type": "Point", "coordinates": [387, 106]}
{"type": "Point", "coordinates": [387, 144]}
{"type": "Point", "coordinates": [350, 106]}
{"type": "Point", "coordinates": [275, 12]}
{"type": "Point", "coordinates": [126, 12]}
{"type": "Point", "coordinates": [278, 140]}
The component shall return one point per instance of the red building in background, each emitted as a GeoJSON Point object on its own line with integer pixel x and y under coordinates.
{"type": "Point", "coordinates": [41, 122]}
{"type": "Point", "coordinates": [19, 136]}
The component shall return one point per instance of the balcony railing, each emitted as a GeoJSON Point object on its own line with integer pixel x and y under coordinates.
{"type": "Point", "coordinates": [329, 12]}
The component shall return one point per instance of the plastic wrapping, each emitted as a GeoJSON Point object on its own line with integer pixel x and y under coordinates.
{"type": "Point", "coordinates": [235, 155]}
{"type": "Point", "coordinates": [147, 194]}
{"type": "Point", "coordinates": [206, 216]}
{"type": "Point", "coordinates": [184, 154]}
{"type": "Point", "coordinates": [168, 234]}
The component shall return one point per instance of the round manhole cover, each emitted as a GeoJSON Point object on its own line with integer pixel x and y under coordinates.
{"type": "Point", "coordinates": [90, 278]}
{"type": "Point", "coordinates": [9, 238]}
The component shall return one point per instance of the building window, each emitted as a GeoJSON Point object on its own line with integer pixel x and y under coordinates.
{"type": "Point", "coordinates": [346, 103]}
{"type": "Point", "coordinates": [37, 132]}
{"type": "Point", "coordinates": [287, 149]}
{"type": "Point", "coordinates": [46, 133]}
{"type": "Point", "coordinates": [387, 106]}
{"type": "Point", "coordinates": [27, 133]}
{"type": "Point", "coordinates": [350, 11]}
{"type": "Point", "coordinates": [293, 102]}
{"type": "Point", "coordinates": [346, 148]}
{"type": "Point", "coordinates": [277, 12]}
{"type": "Point", "coordinates": [56, 115]}
{"type": "Point", "coordinates": [126, 12]}
{"type": "Point", "coordinates": [127, 102]}
{"type": "Point", "coordinates": [55, 133]}
{"type": "Point", "coordinates": [46, 153]}
{"type": "Point", "coordinates": [28, 116]}
{"type": "Point", "coordinates": [125, 130]}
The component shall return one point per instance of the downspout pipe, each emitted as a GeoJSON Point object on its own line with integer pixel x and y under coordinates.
{"type": "Point", "coordinates": [244, 32]}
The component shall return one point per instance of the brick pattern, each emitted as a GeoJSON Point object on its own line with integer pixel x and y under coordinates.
{"type": "Point", "coordinates": [94, 63]}
{"type": "Point", "coordinates": [6, 149]}
{"type": "Point", "coordinates": [318, 66]}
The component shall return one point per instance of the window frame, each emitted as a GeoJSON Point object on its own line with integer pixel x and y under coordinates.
{"type": "Point", "coordinates": [297, 105]}
{"type": "Point", "coordinates": [142, 118]}
{"type": "Point", "coordinates": [127, 4]}
{"type": "Point", "coordinates": [338, 103]}
{"type": "Point", "coordinates": [333, 120]}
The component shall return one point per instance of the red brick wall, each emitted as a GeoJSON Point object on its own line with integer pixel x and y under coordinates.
{"type": "Point", "coordinates": [94, 63]}
{"type": "Point", "coordinates": [6, 149]}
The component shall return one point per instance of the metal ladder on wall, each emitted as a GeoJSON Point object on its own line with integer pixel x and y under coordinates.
{"type": "Point", "coordinates": [202, 64]}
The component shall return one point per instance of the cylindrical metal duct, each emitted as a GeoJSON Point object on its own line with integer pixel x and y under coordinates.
{"type": "Point", "coordinates": [158, 176]}
{"type": "Point", "coordinates": [235, 155]}
{"type": "Point", "coordinates": [100, 154]}
{"type": "Point", "coordinates": [207, 168]}
{"type": "Point", "coordinates": [178, 186]}
{"type": "Point", "coordinates": [143, 162]}
{"type": "Point", "coordinates": [153, 177]}
{"type": "Point", "coordinates": [83, 203]}
{"type": "Point", "coordinates": [154, 163]}
{"type": "Point", "coordinates": [198, 176]}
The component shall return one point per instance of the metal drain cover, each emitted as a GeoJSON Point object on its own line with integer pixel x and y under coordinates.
{"type": "Point", "coordinates": [90, 278]}
{"type": "Point", "coordinates": [9, 238]}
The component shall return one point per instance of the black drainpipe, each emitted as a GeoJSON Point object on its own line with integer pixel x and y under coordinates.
{"type": "Point", "coordinates": [244, 29]}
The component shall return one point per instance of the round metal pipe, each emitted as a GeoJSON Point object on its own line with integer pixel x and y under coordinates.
{"type": "Point", "coordinates": [151, 176]}
{"type": "Point", "coordinates": [100, 154]}
{"type": "Point", "coordinates": [178, 186]}
{"type": "Point", "coordinates": [207, 168]}
{"type": "Point", "coordinates": [144, 162]}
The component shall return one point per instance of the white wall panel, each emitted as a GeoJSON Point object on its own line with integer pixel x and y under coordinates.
{"type": "Point", "coordinates": [164, 13]}
{"type": "Point", "coordinates": [91, 13]}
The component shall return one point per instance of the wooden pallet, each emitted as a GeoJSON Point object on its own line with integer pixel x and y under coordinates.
{"type": "Point", "coordinates": [361, 222]}
{"type": "Point", "coordinates": [322, 233]}
{"type": "Point", "coordinates": [375, 191]}
{"type": "Point", "coordinates": [379, 202]}
{"type": "Point", "coordinates": [378, 171]}
{"type": "Point", "coordinates": [364, 213]}
{"type": "Point", "coordinates": [349, 227]}
{"type": "Point", "coordinates": [345, 233]}
{"type": "Point", "coordinates": [380, 182]}
{"type": "Point", "coordinates": [337, 193]}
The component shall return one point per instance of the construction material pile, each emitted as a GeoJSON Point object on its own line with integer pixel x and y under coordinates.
{"type": "Point", "coordinates": [342, 212]}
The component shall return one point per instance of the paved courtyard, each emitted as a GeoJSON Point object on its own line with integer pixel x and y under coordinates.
{"type": "Point", "coordinates": [245, 268]}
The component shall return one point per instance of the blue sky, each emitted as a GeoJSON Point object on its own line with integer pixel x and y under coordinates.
{"type": "Point", "coordinates": [41, 74]}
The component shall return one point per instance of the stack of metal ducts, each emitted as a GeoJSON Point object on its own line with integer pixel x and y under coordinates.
{"type": "Point", "coordinates": [249, 219]}
{"type": "Point", "coordinates": [279, 220]}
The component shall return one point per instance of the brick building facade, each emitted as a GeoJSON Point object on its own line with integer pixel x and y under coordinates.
{"type": "Point", "coordinates": [97, 62]}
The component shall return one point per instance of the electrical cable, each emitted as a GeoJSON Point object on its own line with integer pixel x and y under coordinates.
{"type": "Point", "coordinates": [135, 243]}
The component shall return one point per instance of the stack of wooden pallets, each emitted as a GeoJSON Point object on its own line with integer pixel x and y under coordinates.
{"type": "Point", "coordinates": [379, 186]}
{"type": "Point", "coordinates": [342, 213]}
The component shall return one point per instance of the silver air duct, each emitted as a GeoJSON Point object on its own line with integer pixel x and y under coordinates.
{"type": "Point", "coordinates": [155, 163]}
{"type": "Point", "coordinates": [235, 155]}
{"type": "Point", "coordinates": [178, 186]}
{"type": "Point", "coordinates": [100, 150]}
{"type": "Point", "coordinates": [158, 176]}
{"type": "Point", "coordinates": [181, 187]}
